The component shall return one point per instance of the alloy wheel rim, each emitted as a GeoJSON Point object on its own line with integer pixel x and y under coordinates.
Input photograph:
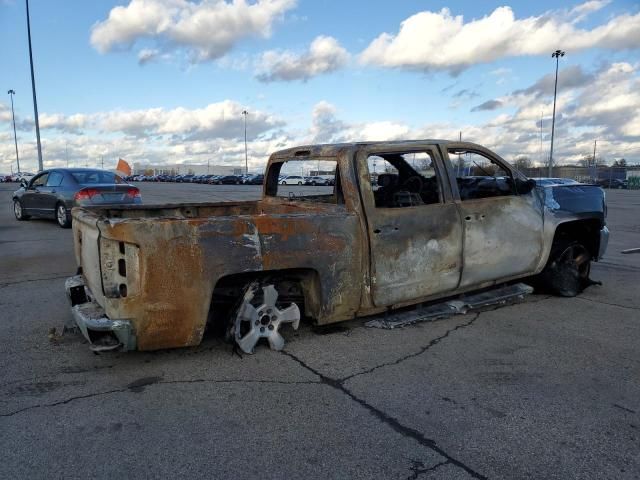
{"type": "Point", "coordinates": [61, 215]}
{"type": "Point", "coordinates": [17, 209]}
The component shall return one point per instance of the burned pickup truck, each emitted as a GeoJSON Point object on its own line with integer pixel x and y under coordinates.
{"type": "Point", "coordinates": [404, 223]}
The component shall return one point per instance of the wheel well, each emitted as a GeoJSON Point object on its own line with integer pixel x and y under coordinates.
{"type": "Point", "coordinates": [300, 286]}
{"type": "Point", "coordinates": [586, 232]}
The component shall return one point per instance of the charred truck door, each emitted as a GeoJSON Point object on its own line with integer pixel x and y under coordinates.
{"type": "Point", "coordinates": [502, 229]}
{"type": "Point", "coordinates": [414, 226]}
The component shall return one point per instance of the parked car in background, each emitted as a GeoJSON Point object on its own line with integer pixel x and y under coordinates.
{"type": "Point", "coordinates": [543, 181]}
{"type": "Point", "coordinates": [255, 179]}
{"type": "Point", "coordinates": [18, 177]}
{"type": "Point", "coordinates": [5, 178]}
{"type": "Point", "coordinates": [53, 193]}
{"type": "Point", "coordinates": [292, 180]}
{"type": "Point", "coordinates": [316, 181]}
{"type": "Point", "coordinates": [612, 183]}
{"type": "Point", "coordinates": [230, 180]}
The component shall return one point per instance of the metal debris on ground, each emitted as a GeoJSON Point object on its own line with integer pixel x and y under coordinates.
{"type": "Point", "coordinates": [502, 295]}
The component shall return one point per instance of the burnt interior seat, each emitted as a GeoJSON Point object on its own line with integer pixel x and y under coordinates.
{"type": "Point", "coordinates": [387, 184]}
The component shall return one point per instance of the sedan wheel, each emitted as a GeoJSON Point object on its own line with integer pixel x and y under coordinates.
{"type": "Point", "coordinates": [18, 211]}
{"type": "Point", "coordinates": [299, 183]}
{"type": "Point", "coordinates": [283, 183]}
{"type": "Point", "coordinates": [61, 216]}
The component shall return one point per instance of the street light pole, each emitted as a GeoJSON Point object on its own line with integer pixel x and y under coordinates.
{"type": "Point", "coordinates": [541, 154]}
{"type": "Point", "coordinates": [557, 54]}
{"type": "Point", "coordinates": [33, 88]}
{"type": "Point", "coordinates": [595, 165]}
{"type": "Point", "coordinates": [15, 137]}
{"type": "Point", "coordinates": [246, 161]}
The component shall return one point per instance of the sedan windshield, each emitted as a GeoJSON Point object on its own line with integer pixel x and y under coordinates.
{"type": "Point", "coordinates": [87, 177]}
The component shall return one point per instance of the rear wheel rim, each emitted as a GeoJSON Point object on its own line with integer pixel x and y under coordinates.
{"type": "Point", "coordinates": [17, 209]}
{"type": "Point", "coordinates": [62, 215]}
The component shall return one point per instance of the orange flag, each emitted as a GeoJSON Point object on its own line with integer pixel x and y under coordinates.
{"type": "Point", "coordinates": [123, 168]}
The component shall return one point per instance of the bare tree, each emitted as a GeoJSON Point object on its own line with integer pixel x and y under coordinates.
{"type": "Point", "coordinates": [586, 161]}
{"type": "Point", "coordinates": [522, 162]}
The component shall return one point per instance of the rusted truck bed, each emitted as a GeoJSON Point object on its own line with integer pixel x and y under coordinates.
{"type": "Point", "coordinates": [160, 264]}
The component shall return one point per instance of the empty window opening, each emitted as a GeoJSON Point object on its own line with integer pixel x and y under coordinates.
{"type": "Point", "coordinates": [404, 179]}
{"type": "Point", "coordinates": [306, 179]}
{"type": "Point", "coordinates": [479, 176]}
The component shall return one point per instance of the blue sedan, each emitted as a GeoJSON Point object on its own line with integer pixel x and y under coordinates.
{"type": "Point", "coordinates": [53, 193]}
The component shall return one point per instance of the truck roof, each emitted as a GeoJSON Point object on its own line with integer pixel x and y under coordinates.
{"type": "Point", "coordinates": [332, 149]}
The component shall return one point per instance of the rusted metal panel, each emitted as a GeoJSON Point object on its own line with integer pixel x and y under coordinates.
{"type": "Point", "coordinates": [502, 237]}
{"type": "Point", "coordinates": [415, 251]}
{"type": "Point", "coordinates": [181, 259]}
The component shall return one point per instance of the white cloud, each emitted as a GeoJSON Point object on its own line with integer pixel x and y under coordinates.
{"type": "Point", "coordinates": [605, 105]}
{"type": "Point", "coordinates": [207, 30]}
{"type": "Point", "coordinates": [147, 55]}
{"type": "Point", "coordinates": [602, 105]}
{"type": "Point", "coordinates": [5, 113]}
{"type": "Point", "coordinates": [216, 120]}
{"type": "Point", "coordinates": [71, 124]}
{"type": "Point", "coordinates": [580, 12]}
{"type": "Point", "coordinates": [441, 41]}
{"type": "Point", "coordinates": [327, 128]}
{"type": "Point", "coordinates": [325, 55]}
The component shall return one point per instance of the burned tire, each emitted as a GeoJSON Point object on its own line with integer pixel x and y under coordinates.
{"type": "Point", "coordinates": [567, 271]}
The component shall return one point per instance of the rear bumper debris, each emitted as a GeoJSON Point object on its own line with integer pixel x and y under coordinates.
{"type": "Point", "coordinates": [102, 333]}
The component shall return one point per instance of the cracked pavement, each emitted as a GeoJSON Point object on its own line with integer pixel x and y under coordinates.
{"type": "Point", "coordinates": [547, 388]}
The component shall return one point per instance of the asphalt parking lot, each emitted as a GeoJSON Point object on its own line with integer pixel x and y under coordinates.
{"type": "Point", "coordinates": [548, 388]}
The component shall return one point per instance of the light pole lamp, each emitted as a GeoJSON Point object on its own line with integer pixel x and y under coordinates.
{"type": "Point", "coordinates": [13, 117]}
{"type": "Point", "coordinates": [246, 161]}
{"type": "Point", "coordinates": [557, 54]}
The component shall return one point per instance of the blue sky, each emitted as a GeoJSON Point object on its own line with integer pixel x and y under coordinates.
{"type": "Point", "coordinates": [206, 61]}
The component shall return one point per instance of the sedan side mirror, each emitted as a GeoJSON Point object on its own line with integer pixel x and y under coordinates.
{"type": "Point", "coordinates": [524, 186]}
{"type": "Point", "coordinates": [24, 184]}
